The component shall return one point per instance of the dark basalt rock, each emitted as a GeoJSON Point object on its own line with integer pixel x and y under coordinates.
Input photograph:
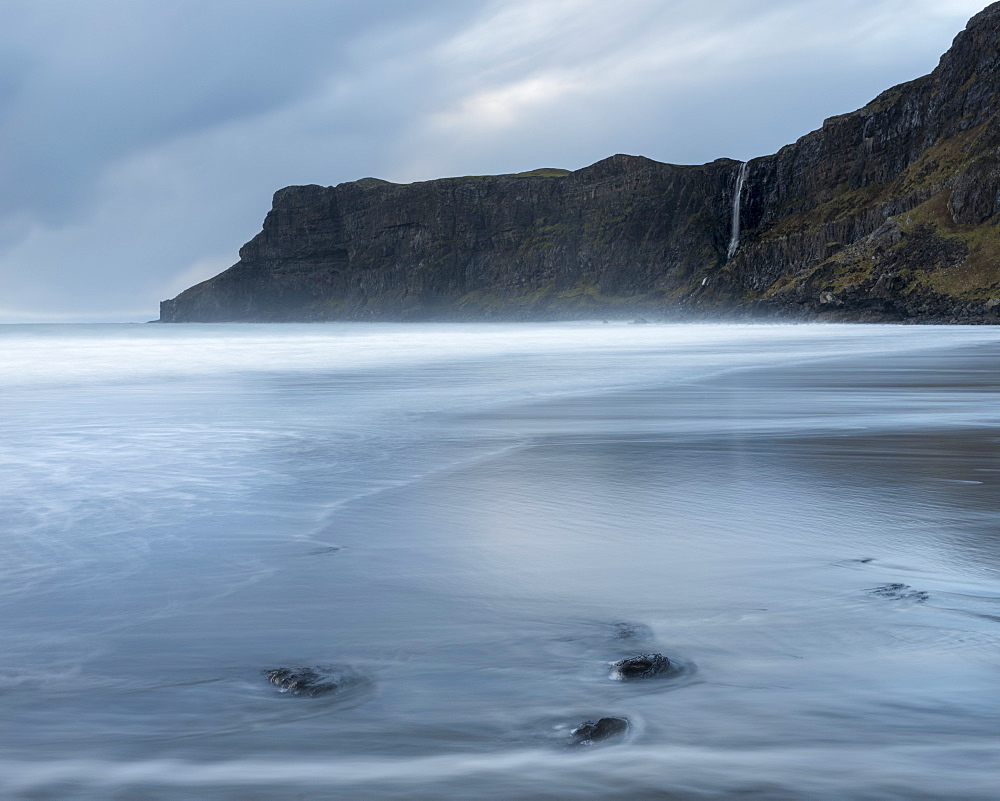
{"type": "Point", "coordinates": [899, 592]}
{"type": "Point", "coordinates": [888, 213]}
{"type": "Point", "coordinates": [600, 731]}
{"type": "Point", "coordinates": [311, 681]}
{"type": "Point", "coordinates": [644, 666]}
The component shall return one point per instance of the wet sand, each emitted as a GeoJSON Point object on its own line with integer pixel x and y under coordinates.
{"type": "Point", "coordinates": [815, 544]}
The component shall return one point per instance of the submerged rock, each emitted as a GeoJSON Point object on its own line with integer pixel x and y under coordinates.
{"type": "Point", "coordinates": [326, 550]}
{"type": "Point", "coordinates": [644, 666]}
{"type": "Point", "coordinates": [899, 592]}
{"type": "Point", "coordinates": [311, 681]}
{"type": "Point", "coordinates": [599, 731]}
{"type": "Point", "coordinates": [632, 631]}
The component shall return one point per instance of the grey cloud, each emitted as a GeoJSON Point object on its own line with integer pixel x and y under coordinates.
{"type": "Point", "coordinates": [105, 79]}
{"type": "Point", "coordinates": [750, 79]}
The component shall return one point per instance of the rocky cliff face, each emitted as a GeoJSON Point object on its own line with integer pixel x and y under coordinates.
{"type": "Point", "coordinates": [887, 213]}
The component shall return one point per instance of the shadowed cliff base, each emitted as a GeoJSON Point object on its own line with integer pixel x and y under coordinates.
{"type": "Point", "coordinates": [889, 213]}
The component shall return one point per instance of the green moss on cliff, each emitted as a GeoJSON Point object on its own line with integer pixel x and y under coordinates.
{"type": "Point", "coordinates": [936, 166]}
{"type": "Point", "coordinates": [885, 100]}
{"type": "Point", "coordinates": [929, 254]}
{"type": "Point", "coordinates": [328, 308]}
{"type": "Point", "coordinates": [845, 203]}
{"type": "Point", "coordinates": [544, 236]}
{"type": "Point", "coordinates": [977, 277]}
{"type": "Point", "coordinates": [602, 228]}
{"type": "Point", "coordinates": [584, 294]}
{"type": "Point", "coordinates": [890, 97]}
{"type": "Point", "coordinates": [942, 161]}
{"type": "Point", "coordinates": [544, 172]}
{"type": "Point", "coordinates": [493, 301]}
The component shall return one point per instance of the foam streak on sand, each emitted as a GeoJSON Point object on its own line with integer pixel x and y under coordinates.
{"type": "Point", "coordinates": [698, 769]}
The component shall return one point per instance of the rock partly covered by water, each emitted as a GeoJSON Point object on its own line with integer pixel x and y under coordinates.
{"type": "Point", "coordinates": [899, 592]}
{"type": "Point", "coordinates": [887, 213]}
{"type": "Point", "coordinates": [600, 730]}
{"type": "Point", "coordinates": [644, 666]}
{"type": "Point", "coordinates": [311, 681]}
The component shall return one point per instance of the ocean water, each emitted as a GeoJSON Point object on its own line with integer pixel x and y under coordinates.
{"type": "Point", "coordinates": [468, 524]}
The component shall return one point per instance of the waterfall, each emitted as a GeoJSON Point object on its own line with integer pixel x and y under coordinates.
{"type": "Point", "coordinates": [734, 239]}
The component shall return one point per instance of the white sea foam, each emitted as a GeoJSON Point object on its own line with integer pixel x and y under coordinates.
{"type": "Point", "coordinates": [638, 770]}
{"type": "Point", "coordinates": [150, 355]}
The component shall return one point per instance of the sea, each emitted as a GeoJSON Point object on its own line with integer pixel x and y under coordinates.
{"type": "Point", "coordinates": [464, 526]}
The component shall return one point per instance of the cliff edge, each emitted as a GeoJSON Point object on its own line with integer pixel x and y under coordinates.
{"type": "Point", "coordinates": [889, 213]}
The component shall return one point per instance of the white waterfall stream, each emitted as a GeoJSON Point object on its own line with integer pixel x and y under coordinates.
{"type": "Point", "coordinates": [734, 239]}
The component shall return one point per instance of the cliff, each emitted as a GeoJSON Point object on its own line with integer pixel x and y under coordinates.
{"type": "Point", "coordinates": [886, 213]}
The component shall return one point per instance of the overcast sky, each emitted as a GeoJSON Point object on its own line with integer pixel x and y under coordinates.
{"type": "Point", "coordinates": [140, 142]}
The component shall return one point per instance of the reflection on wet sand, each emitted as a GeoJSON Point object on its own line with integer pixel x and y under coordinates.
{"type": "Point", "coordinates": [791, 551]}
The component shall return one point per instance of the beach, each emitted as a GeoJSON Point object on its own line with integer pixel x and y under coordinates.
{"type": "Point", "coordinates": [467, 525]}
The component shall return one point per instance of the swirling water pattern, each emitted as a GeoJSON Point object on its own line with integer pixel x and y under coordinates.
{"type": "Point", "coordinates": [463, 520]}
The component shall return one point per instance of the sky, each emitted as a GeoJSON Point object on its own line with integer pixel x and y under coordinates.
{"type": "Point", "coordinates": [141, 141]}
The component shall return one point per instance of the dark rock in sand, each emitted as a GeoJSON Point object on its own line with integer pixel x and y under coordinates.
{"type": "Point", "coordinates": [644, 666]}
{"type": "Point", "coordinates": [303, 681]}
{"type": "Point", "coordinates": [601, 730]}
{"type": "Point", "coordinates": [899, 592]}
